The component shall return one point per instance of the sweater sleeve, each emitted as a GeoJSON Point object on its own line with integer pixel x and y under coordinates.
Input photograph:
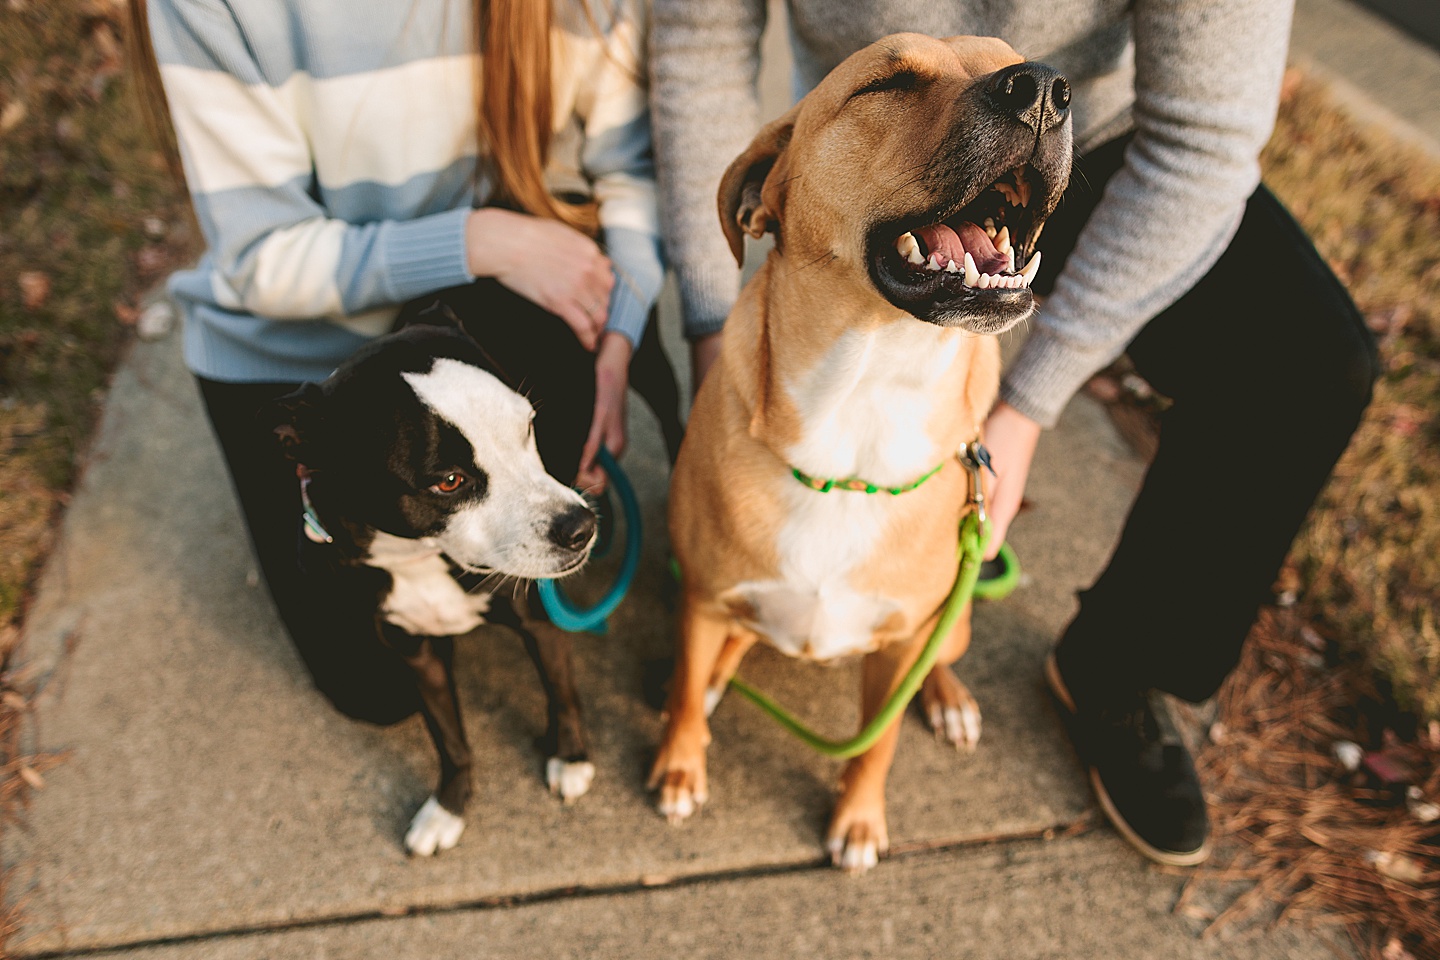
{"type": "Point", "coordinates": [1207, 79]}
{"type": "Point", "coordinates": [704, 61]}
{"type": "Point", "coordinates": [275, 250]}
{"type": "Point", "coordinates": [618, 159]}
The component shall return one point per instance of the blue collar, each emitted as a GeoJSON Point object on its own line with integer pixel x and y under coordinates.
{"type": "Point", "coordinates": [314, 529]}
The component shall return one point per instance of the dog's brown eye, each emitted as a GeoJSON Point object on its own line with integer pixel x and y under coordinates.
{"type": "Point", "coordinates": [903, 80]}
{"type": "Point", "coordinates": [451, 482]}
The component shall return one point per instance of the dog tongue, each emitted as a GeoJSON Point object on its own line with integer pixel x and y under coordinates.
{"type": "Point", "coordinates": [947, 245]}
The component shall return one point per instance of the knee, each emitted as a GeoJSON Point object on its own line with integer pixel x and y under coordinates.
{"type": "Point", "coordinates": [1334, 371]}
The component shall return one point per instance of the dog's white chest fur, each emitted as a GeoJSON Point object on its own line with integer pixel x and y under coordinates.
{"type": "Point", "coordinates": [424, 599]}
{"type": "Point", "coordinates": [864, 410]}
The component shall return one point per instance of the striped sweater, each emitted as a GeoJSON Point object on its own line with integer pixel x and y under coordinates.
{"type": "Point", "coordinates": [330, 150]}
{"type": "Point", "coordinates": [1197, 81]}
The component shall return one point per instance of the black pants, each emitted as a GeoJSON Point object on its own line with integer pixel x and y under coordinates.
{"type": "Point", "coordinates": [330, 619]}
{"type": "Point", "coordinates": [1270, 366]}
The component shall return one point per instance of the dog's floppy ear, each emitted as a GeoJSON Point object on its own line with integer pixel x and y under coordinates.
{"type": "Point", "coordinates": [294, 420]}
{"type": "Point", "coordinates": [752, 190]}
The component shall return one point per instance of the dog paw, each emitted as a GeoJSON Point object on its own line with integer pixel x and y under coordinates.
{"type": "Point", "coordinates": [950, 709]}
{"type": "Point", "coordinates": [857, 845]}
{"type": "Point", "coordinates": [433, 829]}
{"type": "Point", "coordinates": [569, 780]}
{"type": "Point", "coordinates": [681, 781]}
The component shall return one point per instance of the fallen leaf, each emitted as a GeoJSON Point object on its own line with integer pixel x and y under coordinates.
{"type": "Point", "coordinates": [1349, 754]}
{"type": "Point", "coordinates": [151, 258]}
{"type": "Point", "coordinates": [156, 321]}
{"type": "Point", "coordinates": [13, 115]}
{"type": "Point", "coordinates": [1420, 808]}
{"type": "Point", "coordinates": [34, 288]}
{"type": "Point", "coordinates": [1386, 767]}
{"type": "Point", "coordinates": [1395, 950]}
{"type": "Point", "coordinates": [1396, 866]}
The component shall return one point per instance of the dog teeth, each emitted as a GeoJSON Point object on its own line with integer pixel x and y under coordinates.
{"type": "Point", "coordinates": [990, 227]}
{"type": "Point", "coordinates": [1008, 280]}
{"type": "Point", "coordinates": [1031, 268]}
{"type": "Point", "coordinates": [909, 248]}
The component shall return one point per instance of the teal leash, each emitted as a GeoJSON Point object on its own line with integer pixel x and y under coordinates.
{"type": "Point", "coordinates": [566, 615]}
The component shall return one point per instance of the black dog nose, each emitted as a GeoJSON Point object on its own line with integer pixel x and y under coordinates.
{"type": "Point", "coordinates": [573, 529]}
{"type": "Point", "coordinates": [1032, 93]}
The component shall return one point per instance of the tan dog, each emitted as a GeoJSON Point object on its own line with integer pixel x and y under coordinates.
{"type": "Point", "coordinates": [905, 192]}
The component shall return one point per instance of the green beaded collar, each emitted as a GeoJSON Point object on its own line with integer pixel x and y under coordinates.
{"type": "Point", "coordinates": [857, 485]}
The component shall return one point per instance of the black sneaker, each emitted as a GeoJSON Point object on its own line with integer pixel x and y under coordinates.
{"type": "Point", "coordinates": [1140, 771]}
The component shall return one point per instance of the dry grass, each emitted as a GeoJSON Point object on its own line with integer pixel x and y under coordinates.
{"type": "Point", "coordinates": [1312, 841]}
{"type": "Point", "coordinates": [1369, 558]}
{"type": "Point", "coordinates": [88, 219]}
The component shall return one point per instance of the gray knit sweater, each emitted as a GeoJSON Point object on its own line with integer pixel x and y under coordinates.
{"type": "Point", "coordinates": [1197, 80]}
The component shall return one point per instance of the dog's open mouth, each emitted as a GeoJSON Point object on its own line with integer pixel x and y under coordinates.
{"type": "Point", "coordinates": [982, 255]}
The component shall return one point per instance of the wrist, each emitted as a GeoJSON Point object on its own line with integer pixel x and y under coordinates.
{"type": "Point", "coordinates": [614, 352]}
{"type": "Point", "coordinates": [1013, 422]}
{"type": "Point", "coordinates": [490, 241]}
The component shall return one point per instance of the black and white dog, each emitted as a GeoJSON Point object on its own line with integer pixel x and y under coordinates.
{"type": "Point", "coordinates": [421, 475]}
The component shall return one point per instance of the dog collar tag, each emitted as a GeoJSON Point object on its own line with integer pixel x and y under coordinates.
{"type": "Point", "coordinates": [314, 530]}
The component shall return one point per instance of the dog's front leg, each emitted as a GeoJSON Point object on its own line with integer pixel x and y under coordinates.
{"type": "Point", "coordinates": [568, 770]}
{"type": "Point", "coordinates": [440, 821]}
{"type": "Point", "coordinates": [857, 836]}
{"type": "Point", "coordinates": [946, 703]}
{"type": "Point", "coordinates": [679, 770]}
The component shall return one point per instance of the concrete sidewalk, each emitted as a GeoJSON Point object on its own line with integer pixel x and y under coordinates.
{"type": "Point", "coordinates": [212, 805]}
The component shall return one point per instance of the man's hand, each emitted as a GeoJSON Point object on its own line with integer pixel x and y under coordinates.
{"type": "Point", "coordinates": [612, 376]}
{"type": "Point", "coordinates": [1010, 436]}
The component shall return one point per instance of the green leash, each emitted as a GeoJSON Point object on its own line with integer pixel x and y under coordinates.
{"type": "Point", "coordinates": [970, 554]}
{"type": "Point", "coordinates": [972, 550]}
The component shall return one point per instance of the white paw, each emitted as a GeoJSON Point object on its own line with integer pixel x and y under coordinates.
{"type": "Point", "coordinates": [679, 803]}
{"type": "Point", "coordinates": [854, 856]}
{"type": "Point", "coordinates": [959, 725]}
{"type": "Point", "coordinates": [713, 696]}
{"type": "Point", "coordinates": [568, 781]}
{"type": "Point", "coordinates": [433, 829]}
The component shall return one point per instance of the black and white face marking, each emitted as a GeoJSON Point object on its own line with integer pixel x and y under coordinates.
{"type": "Point", "coordinates": [508, 514]}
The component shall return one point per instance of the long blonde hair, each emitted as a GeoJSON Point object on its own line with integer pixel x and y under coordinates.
{"type": "Point", "coordinates": [514, 110]}
{"type": "Point", "coordinates": [516, 116]}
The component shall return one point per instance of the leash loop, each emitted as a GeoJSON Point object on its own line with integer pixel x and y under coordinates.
{"type": "Point", "coordinates": [558, 607]}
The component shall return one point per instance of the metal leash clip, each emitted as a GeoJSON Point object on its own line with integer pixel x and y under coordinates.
{"type": "Point", "coordinates": [974, 457]}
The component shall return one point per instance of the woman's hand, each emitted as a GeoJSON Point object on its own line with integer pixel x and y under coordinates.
{"type": "Point", "coordinates": [612, 376]}
{"type": "Point", "coordinates": [1010, 436]}
{"type": "Point", "coordinates": [547, 263]}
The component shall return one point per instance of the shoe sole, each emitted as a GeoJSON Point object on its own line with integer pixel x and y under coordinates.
{"type": "Point", "coordinates": [1169, 858]}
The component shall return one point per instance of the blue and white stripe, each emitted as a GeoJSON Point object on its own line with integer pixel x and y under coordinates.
{"type": "Point", "coordinates": [330, 148]}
